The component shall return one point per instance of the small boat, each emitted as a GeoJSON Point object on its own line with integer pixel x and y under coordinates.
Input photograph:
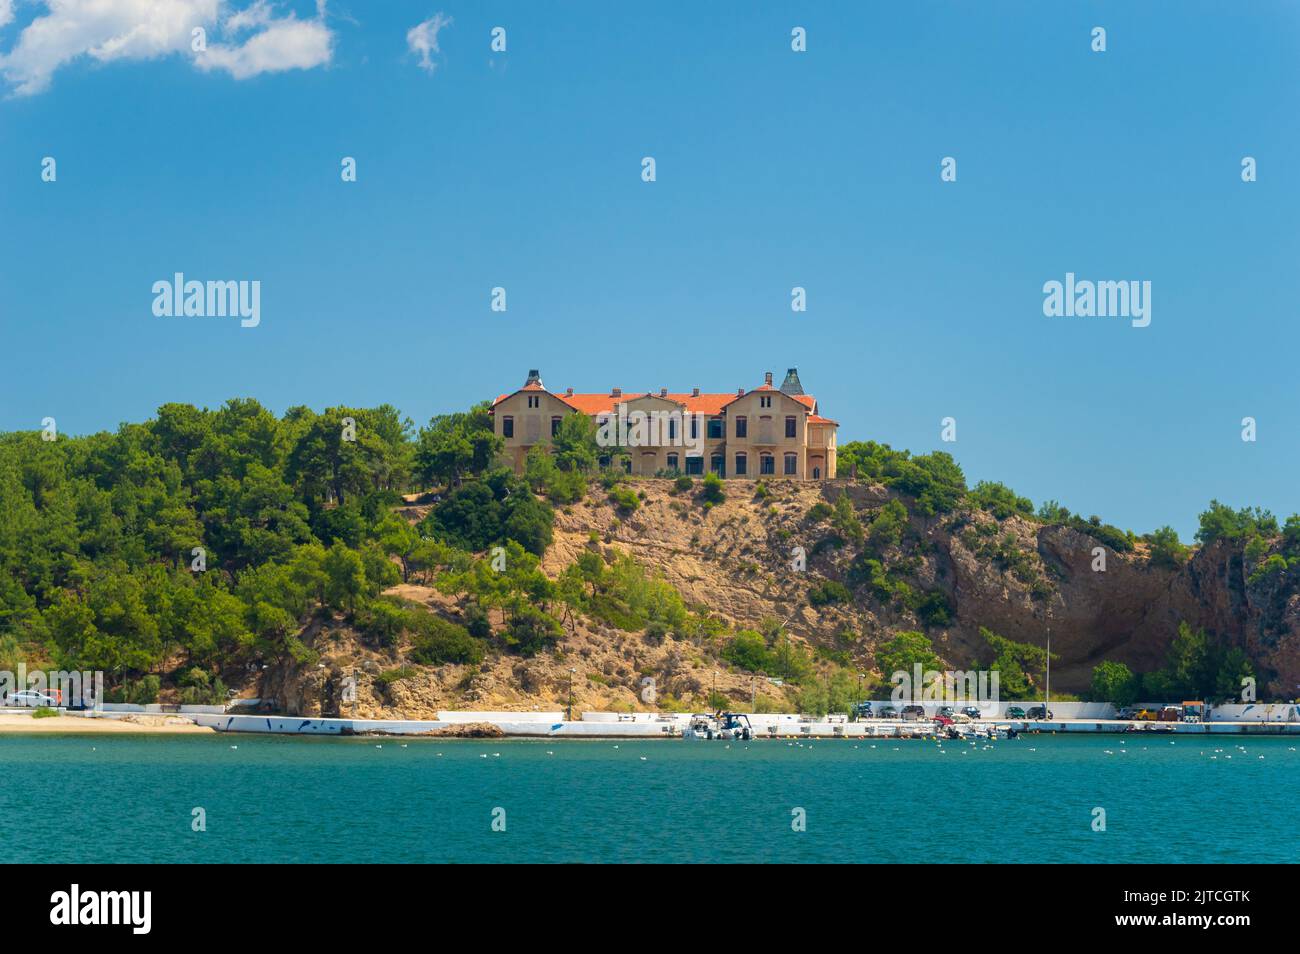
{"type": "Point", "coordinates": [702, 726]}
{"type": "Point", "coordinates": [725, 725]}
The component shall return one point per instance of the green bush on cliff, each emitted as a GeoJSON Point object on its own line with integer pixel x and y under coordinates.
{"type": "Point", "coordinates": [1166, 549]}
{"type": "Point", "coordinates": [438, 641]}
{"type": "Point", "coordinates": [1000, 500]}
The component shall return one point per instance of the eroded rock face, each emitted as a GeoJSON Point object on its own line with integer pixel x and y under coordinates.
{"type": "Point", "coordinates": [735, 560]}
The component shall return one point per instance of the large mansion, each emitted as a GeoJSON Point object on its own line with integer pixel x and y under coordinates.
{"type": "Point", "coordinates": [766, 431]}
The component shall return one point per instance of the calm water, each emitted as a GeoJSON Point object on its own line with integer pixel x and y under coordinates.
{"type": "Point", "coordinates": [276, 799]}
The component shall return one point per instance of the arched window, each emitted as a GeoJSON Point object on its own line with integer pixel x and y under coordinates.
{"type": "Point", "coordinates": [766, 464]}
{"type": "Point", "coordinates": [742, 465]}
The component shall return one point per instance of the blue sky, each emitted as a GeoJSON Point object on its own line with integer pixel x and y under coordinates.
{"type": "Point", "coordinates": [774, 169]}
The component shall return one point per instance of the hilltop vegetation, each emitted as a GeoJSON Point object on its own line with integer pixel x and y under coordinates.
{"type": "Point", "coordinates": [202, 549]}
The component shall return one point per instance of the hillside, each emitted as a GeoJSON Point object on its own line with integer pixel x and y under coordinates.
{"type": "Point", "coordinates": [735, 560]}
{"type": "Point", "coordinates": [210, 552]}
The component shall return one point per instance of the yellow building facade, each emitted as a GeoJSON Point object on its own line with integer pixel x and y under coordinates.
{"type": "Point", "coordinates": [766, 432]}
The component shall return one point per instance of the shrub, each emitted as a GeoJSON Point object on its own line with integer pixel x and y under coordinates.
{"type": "Point", "coordinates": [819, 512]}
{"type": "Point", "coordinates": [1166, 549]}
{"type": "Point", "coordinates": [1000, 500]}
{"type": "Point", "coordinates": [43, 712]}
{"type": "Point", "coordinates": [683, 484]}
{"type": "Point", "coordinates": [439, 641]}
{"type": "Point", "coordinates": [390, 676]}
{"type": "Point", "coordinates": [198, 688]}
{"type": "Point", "coordinates": [711, 492]}
{"type": "Point", "coordinates": [530, 631]}
{"type": "Point", "coordinates": [832, 591]}
{"type": "Point", "coordinates": [624, 499]}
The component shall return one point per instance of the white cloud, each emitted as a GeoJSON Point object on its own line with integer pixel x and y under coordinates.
{"type": "Point", "coordinates": [108, 30]}
{"type": "Point", "coordinates": [280, 44]}
{"type": "Point", "coordinates": [423, 39]}
{"type": "Point", "coordinates": [6, 11]}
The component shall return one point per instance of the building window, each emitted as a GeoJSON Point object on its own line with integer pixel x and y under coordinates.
{"type": "Point", "coordinates": [817, 473]}
{"type": "Point", "coordinates": [766, 464]}
{"type": "Point", "coordinates": [716, 465]}
{"type": "Point", "coordinates": [673, 462]}
{"type": "Point", "coordinates": [765, 401]}
{"type": "Point", "coordinates": [627, 465]}
{"type": "Point", "coordinates": [695, 426]}
{"type": "Point", "coordinates": [791, 465]}
{"type": "Point", "coordinates": [534, 401]}
{"type": "Point", "coordinates": [742, 427]}
{"type": "Point", "coordinates": [555, 426]}
{"type": "Point", "coordinates": [694, 465]}
{"type": "Point", "coordinates": [672, 428]}
{"type": "Point", "coordinates": [508, 426]}
{"type": "Point", "coordinates": [715, 429]}
{"type": "Point", "coordinates": [742, 465]}
{"type": "Point", "coordinates": [604, 462]}
{"type": "Point", "coordinates": [790, 427]}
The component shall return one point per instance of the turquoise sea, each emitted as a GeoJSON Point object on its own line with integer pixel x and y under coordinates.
{"type": "Point", "coordinates": [277, 799]}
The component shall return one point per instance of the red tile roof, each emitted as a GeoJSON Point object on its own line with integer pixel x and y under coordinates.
{"type": "Point", "coordinates": [708, 404]}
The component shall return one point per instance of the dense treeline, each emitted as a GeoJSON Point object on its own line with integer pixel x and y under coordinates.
{"type": "Point", "coordinates": [207, 538]}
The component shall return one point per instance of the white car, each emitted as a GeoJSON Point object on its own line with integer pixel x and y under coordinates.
{"type": "Point", "coordinates": [31, 698]}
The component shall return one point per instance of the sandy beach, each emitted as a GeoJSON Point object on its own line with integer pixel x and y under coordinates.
{"type": "Point", "coordinates": [13, 722]}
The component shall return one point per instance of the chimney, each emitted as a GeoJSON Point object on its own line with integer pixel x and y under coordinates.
{"type": "Point", "coordinates": [791, 383]}
{"type": "Point", "coordinates": [616, 392]}
{"type": "Point", "coordinates": [663, 392]}
{"type": "Point", "coordinates": [695, 392]}
{"type": "Point", "coordinates": [568, 392]}
{"type": "Point", "coordinates": [740, 392]}
{"type": "Point", "coordinates": [767, 379]}
{"type": "Point", "coordinates": [534, 377]}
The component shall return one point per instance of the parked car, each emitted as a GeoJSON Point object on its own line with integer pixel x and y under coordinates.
{"type": "Point", "coordinates": [1015, 712]}
{"type": "Point", "coordinates": [913, 712]}
{"type": "Point", "coordinates": [1145, 715]}
{"type": "Point", "coordinates": [1039, 712]}
{"type": "Point", "coordinates": [946, 711]}
{"type": "Point", "coordinates": [1171, 714]}
{"type": "Point", "coordinates": [972, 712]}
{"type": "Point", "coordinates": [30, 697]}
{"type": "Point", "coordinates": [1128, 712]}
{"type": "Point", "coordinates": [888, 712]}
{"type": "Point", "coordinates": [863, 710]}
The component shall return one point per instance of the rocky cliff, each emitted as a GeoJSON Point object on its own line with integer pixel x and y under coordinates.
{"type": "Point", "coordinates": [740, 560]}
